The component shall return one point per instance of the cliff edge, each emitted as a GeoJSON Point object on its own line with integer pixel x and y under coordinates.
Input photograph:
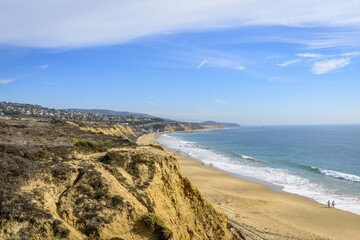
{"type": "Point", "coordinates": [62, 180]}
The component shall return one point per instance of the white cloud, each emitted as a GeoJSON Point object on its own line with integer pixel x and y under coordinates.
{"type": "Point", "coordinates": [221, 62]}
{"type": "Point", "coordinates": [329, 62]}
{"type": "Point", "coordinates": [202, 64]}
{"type": "Point", "coordinates": [70, 23]}
{"type": "Point", "coordinates": [351, 54]}
{"type": "Point", "coordinates": [6, 81]}
{"type": "Point", "coordinates": [326, 66]}
{"type": "Point", "coordinates": [320, 39]}
{"type": "Point", "coordinates": [44, 66]}
{"type": "Point", "coordinates": [309, 55]}
{"type": "Point", "coordinates": [287, 63]}
{"type": "Point", "coordinates": [226, 63]}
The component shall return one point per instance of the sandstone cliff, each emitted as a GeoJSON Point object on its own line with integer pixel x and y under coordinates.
{"type": "Point", "coordinates": [186, 127]}
{"type": "Point", "coordinates": [115, 130]}
{"type": "Point", "coordinates": [176, 127]}
{"type": "Point", "coordinates": [62, 180]}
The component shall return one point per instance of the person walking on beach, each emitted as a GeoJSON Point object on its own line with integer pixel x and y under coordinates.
{"type": "Point", "coordinates": [328, 203]}
{"type": "Point", "coordinates": [333, 203]}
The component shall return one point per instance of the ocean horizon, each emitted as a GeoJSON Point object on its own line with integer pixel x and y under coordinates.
{"type": "Point", "coordinates": [321, 162]}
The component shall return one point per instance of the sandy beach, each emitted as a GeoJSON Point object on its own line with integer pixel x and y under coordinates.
{"type": "Point", "coordinates": [262, 212]}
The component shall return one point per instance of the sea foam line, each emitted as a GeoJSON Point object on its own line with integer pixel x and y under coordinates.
{"type": "Point", "coordinates": [290, 182]}
{"type": "Point", "coordinates": [331, 173]}
{"type": "Point", "coordinates": [340, 175]}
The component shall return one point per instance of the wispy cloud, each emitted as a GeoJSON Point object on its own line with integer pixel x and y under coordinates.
{"type": "Point", "coordinates": [351, 54]}
{"type": "Point", "coordinates": [290, 62]}
{"type": "Point", "coordinates": [202, 64]}
{"type": "Point", "coordinates": [321, 38]}
{"type": "Point", "coordinates": [326, 66]}
{"type": "Point", "coordinates": [324, 63]}
{"type": "Point", "coordinates": [6, 81]}
{"type": "Point", "coordinates": [309, 55]}
{"type": "Point", "coordinates": [120, 21]}
{"type": "Point", "coordinates": [221, 62]}
{"type": "Point", "coordinates": [44, 66]}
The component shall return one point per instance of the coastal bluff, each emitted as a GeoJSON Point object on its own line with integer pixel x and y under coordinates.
{"type": "Point", "coordinates": [71, 180]}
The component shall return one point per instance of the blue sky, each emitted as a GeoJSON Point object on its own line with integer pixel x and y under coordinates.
{"type": "Point", "coordinates": [219, 60]}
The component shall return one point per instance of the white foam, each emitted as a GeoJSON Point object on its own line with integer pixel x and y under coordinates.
{"type": "Point", "coordinates": [247, 157]}
{"type": "Point", "coordinates": [290, 182]}
{"type": "Point", "coordinates": [340, 175]}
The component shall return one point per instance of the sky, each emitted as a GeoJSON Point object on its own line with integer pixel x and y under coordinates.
{"type": "Point", "coordinates": [252, 62]}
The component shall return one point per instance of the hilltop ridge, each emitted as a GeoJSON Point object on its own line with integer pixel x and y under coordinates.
{"type": "Point", "coordinates": [112, 112]}
{"type": "Point", "coordinates": [140, 123]}
{"type": "Point", "coordinates": [224, 124]}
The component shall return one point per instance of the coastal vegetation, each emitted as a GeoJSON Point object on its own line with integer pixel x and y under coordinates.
{"type": "Point", "coordinates": [114, 158]}
{"type": "Point", "coordinates": [157, 147]}
{"type": "Point", "coordinates": [70, 180]}
{"type": "Point", "coordinates": [84, 145]}
{"type": "Point", "coordinates": [158, 225]}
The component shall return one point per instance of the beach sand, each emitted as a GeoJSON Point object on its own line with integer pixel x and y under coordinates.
{"type": "Point", "coordinates": [265, 213]}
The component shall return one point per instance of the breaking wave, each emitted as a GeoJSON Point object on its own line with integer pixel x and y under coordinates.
{"type": "Point", "coordinates": [289, 181]}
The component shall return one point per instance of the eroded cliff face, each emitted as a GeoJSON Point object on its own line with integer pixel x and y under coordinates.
{"type": "Point", "coordinates": [185, 127]}
{"type": "Point", "coordinates": [115, 130]}
{"type": "Point", "coordinates": [97, 186]}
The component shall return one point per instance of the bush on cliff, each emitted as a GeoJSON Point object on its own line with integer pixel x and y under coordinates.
{"type": "Point", "coordinates": [158, 226]}
{"type": "Point", "coordinates": [157, 147]}
{"type": "Point", "coordinates": [113, 158]}
{"type": "Point", "coordinates": [84, 145]}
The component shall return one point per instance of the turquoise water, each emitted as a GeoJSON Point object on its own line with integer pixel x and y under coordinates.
{"type": "Point", "coordinates": [319, 162]}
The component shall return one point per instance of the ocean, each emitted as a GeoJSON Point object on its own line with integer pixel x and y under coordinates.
{"type": "Point", "coordinates": [321, 162]}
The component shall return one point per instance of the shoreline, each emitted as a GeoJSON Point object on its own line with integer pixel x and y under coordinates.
{"type": "Point", "coordinates": [246, 178]}
{"type": "Point", "coordinates": [266, 212]}
{"type": "Point", "coordinates": [346, 204]}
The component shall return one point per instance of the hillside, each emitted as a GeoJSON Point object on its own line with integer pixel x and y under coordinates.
{"type": "Point", "coordinates": [223, 124]}
{"type": "Point", "coordinates": [139, 123]}
{"type": "Point", "coordinates": [91, 180]}
{"type": "Point", "coordinates": [11, 109]}
{"type": "Point", "coordinates": [111, 112]}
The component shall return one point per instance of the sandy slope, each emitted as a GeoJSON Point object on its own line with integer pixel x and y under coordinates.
{"type": "Point", "coordinates": [263, 213]}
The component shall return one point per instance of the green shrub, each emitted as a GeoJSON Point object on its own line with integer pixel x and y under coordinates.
{"type": "Point", "coordinates": [42, 141]}
{"type": "Point", "coordinates": [92, 227]}
{"type": "Point", "coordinates": [84, 145]}
{"type": "Point", "coordinates": [59, 229]}
{"type": "Point", "coordinates": [157, 147]}
{"type": "Point", "coordinates": [102, 193]}
{"type": "Point", "coordinates": [116, 201]}
{"type": "Point", "coordinates": [133, 166]}
{"type": "Point", "coordinates": [157, 225]}
{"type": "Point", "coordinates": [61, 172]}
{"type": "Point", "coordinates": [84, 189]}
{"type": "Point", "coordinates": [113, 158]}
{"type": "Point", "coordinates": [139, 158]}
